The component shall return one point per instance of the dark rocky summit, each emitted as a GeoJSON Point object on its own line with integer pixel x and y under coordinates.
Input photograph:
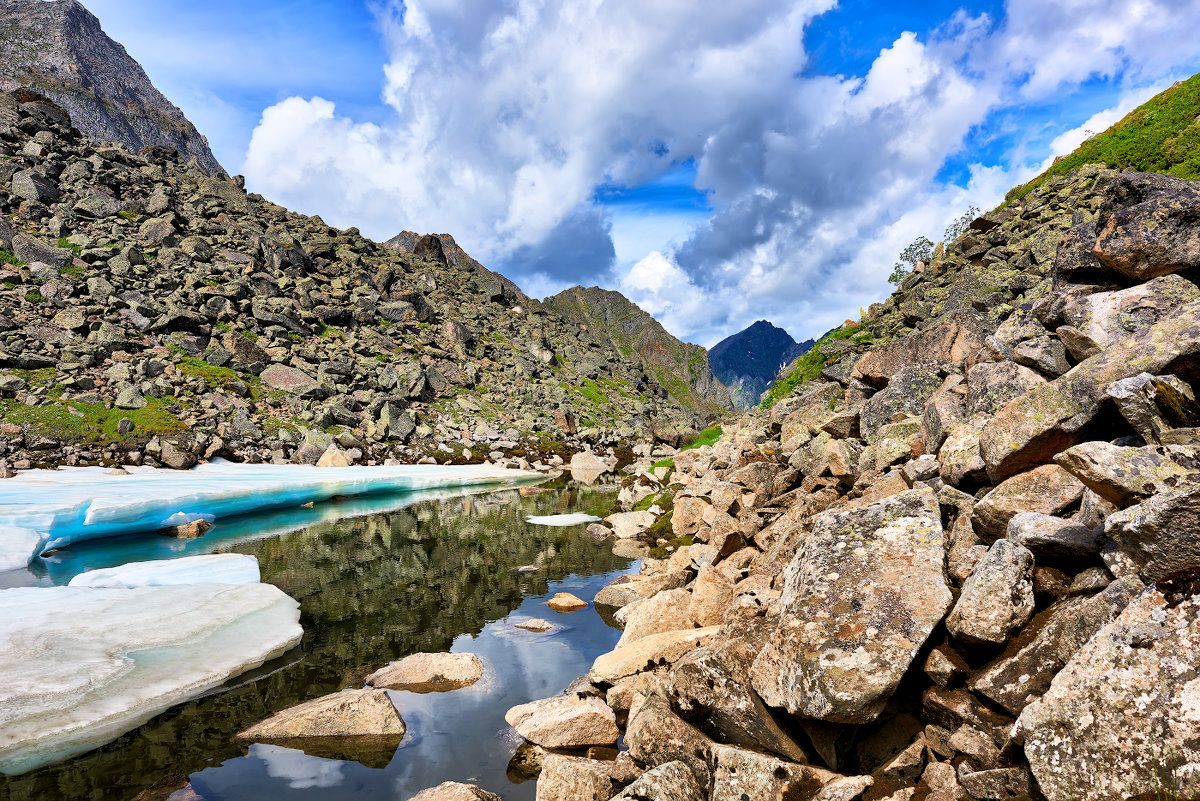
{"type": "Point", "coordinates": [150, 312]}
{"type": "Point", "coordinates": [57, 48]}
{"type": "Point", "coordinates": [681, 367]}
{"type": "Point", "coordinates": [748, 361]}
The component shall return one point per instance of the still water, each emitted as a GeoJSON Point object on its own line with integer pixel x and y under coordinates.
{"type": "Point", "coordinates": [377, 578]}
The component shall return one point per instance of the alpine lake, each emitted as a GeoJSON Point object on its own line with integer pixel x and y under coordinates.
{"type": "Point", "coordinates": [378, 578]}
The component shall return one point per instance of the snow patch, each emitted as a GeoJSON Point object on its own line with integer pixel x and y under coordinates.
{"type": "Point", "coordinates": [221, 568]}
{"type": "Point", "coordinates": [561, 520]}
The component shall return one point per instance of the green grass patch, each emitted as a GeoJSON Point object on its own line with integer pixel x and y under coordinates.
{"type": "Point", "coordinates": [91, 423]}
{"type": "Point", "coordinates": [708, 436]}
{"type": "Point", "coordinates": [128, 216]}
{"type": "Point", "coordinates": [66, 244]}
{"type": "Point", "coordinates": [33, 296]}
{"type": "Point", "coordinates": [9, 258]}
{"type": "Point", "coordinates": [665, 551]}
{"type": "Point", "coordinates": [1162, 135]}
{"type": "Point", "coordinates": [192, 367]}
{"type": "Point", "coordinates": [809, 366]}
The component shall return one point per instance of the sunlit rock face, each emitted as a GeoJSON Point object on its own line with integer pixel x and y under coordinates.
{"type": "Point", "coordinates": [82, 665]}
{"type": "Point", "coordinates": [75, 504]}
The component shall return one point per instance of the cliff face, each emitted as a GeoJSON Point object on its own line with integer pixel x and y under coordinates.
{"type": "Point", "coordinates": [681, 367]}
{"type": "Point", "coordinates": [59, 49]}
{"type": "Point", "coordinates": [748, 361]}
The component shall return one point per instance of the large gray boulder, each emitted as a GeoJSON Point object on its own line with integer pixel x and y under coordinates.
{"type": "Point", "coordinates": [1105, 318]}
{"type": "Point", "coordinates": [862, 594]}
{"type": "Point", "coordinates": [672, 781]}
{"type": "Point", "coordinates": [1160, 534]}
{"type": "Point", "coordinates": [998, 597]}
{"type": "Point", "coordinates": [1047, 489]}
{"type": "Point", "coordinates": [1156, 236]}
{"type": "Point", "coordinates": [1124, 476]}
{"type": "Point", "coordinates": [566, 721]}
{"type": "Point", "coordinates": [1122, 719]}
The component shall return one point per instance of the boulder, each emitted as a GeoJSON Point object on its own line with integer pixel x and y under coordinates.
{"type": "Point", "coordinates": [1123, 476]}
{"type": "Point", "coordinates": [670, 782]}
{"type": "Point", "coordinates": [1053, 537]}
{"type": "Point", "coordinates": [1024, 671]}
{"type": "Point", "coordinates": [455, 791]}
{"type": "Point", "coordinates": [1157, 236]}
{"type": "Point", "coordinates": [961, 462]}
{"type": "Point", "coordinates": [429, 673]}
{"type": "Point", "coordinates": [1159, 534]}
{"type": "Point", "coordinates": [630, 524]}
{"type": "Point", "coordinates": [1052, 417]}
{"type": "Point", "coordinates": [998, 597]}
{"type": "Point", "coordinates": [944, 411]}
{"type": "Point", "coordinates": [566, 721]}
{"type": "Point", "coordinates": [649, 652]}
{"type": "Point", "coordinates": [906, 393]}
{"type": "Point", "coordinates": [290, 380]}
{"type": "Point", "coordinates": [1155, 405]}
{"type": "Point", "coordinates": [656, 735]}
{"type": "Point", "coordinates": [1047, 489]}
{"type": "Point", "coordinates": [687, 515]}
{"type": "Point", "coordinates": [863, 592]}
{"type": "Point", "coordinates": [949, 341]}
{"type": "Point", "coordinates": [1106, 318]}
{"type": "Point", "coordinates": [739, 774]}
{"type": "Point", "coordinates": [1132, 737]}
{"type": "Point", "coordinates": [567, 778]}
{"type": "Point", "coordinates": [668, 610]}
{"type": "Point", "coordinates": [990, 385]}
{"type": "Point", "coordinates": [352, 713]}
{"type": "Point", "coordinates": [566, 602]}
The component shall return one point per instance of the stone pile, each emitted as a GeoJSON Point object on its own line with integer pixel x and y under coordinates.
{"type": "Point", "coordinates": [962, 564]}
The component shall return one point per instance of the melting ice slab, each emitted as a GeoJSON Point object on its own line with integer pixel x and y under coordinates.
{"type": "Point", "coordinates": [218, 568]}
{"type": "Point", "coordinates": [561, 520]}
{"type": "Point", "coordinates": [81, 666]}
{"type": "Point", "coordinates": [73, 504]}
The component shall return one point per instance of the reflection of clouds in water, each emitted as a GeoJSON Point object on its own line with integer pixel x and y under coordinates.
{"type": "Point", "coordinates": [301, 770]}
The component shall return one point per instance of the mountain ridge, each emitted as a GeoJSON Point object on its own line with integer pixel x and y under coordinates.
{"type": "Point", "coordinates": [749, 361]}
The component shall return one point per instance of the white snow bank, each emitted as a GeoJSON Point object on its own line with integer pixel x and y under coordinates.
{"type": "Point", "coordinates": [81, 666]}
{"type": "Point", "coordinates": [17, 546]}
{"type": "Point", "coordinates": [219, 568]}
{"type": "Point", "coordinates": [561, 520]}
{"type": "Point", "coordinates": [73, 504]}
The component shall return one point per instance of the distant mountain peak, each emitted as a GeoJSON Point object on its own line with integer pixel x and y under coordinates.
{"type": "Point", "coordinates": [749, 360]}
{"type": "Point", "coordinates": [59, 49]}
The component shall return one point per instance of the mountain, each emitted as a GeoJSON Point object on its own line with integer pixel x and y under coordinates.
{"type": "Point", "coordinates": [148, 308]}
{"type": "Point", "coordinates": [748, 361]}
{"type": "Point", "coordinates": [444, 248]}
{"type": "Point", "coordinates": [58, 49]}
{"type": "Point", "coordinates": [609, 317]}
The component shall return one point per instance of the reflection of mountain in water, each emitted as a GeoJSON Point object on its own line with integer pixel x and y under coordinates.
{"type": "Point", "coordinates": [371, 589]}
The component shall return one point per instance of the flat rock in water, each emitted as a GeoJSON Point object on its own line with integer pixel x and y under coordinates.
{"type": "Point", "coordinates": [535, 624]}
{"type": "Point", "coordinates": [455, 791]}
{"type": "Point", "coordinates": [220, 568]}
{"type": "Point", "coordinates": [863, 592]}
{"type": "Point", "coordinates": [70, 684]}
{"type": "Point", "coordinates": [566, 602]}
{"type": "Point", "coordinates": [423, 673]}
{"type": "Point", "coordinates": [566, 721]}
{"type": "Point", "coordinates": [353, 713]}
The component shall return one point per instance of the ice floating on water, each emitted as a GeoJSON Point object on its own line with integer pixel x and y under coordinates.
{"type": "Point", "coordinates": [17, 546]}
{"type": "Point", "coordinates": [74, 504]}
{"type": "Point", "coordinates": [82, 666]}
{"type": "Point", "coordinates": [561, 520]}
{"type": "Point", "coordinates": [219, 568]}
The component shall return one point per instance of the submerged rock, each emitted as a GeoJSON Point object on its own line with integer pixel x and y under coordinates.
{"type": "Point", "coordinates": [864, 591]}
{"type": "Point", "coordinates": [423, 673]}
{"type": "Point", "coordinates": [71, 684]}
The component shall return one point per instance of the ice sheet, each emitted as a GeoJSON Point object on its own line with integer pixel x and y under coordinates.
{"type": "Point", "coordinates": [218, 568]}
{"type": "Point", "coordinates": [17, 546]}
{"type": "Point", "coordinates": [81, 666]}
{"type": "Point", "coordinates": [561, 520]}
{"type": "Point", "coordinates": [74, 504]}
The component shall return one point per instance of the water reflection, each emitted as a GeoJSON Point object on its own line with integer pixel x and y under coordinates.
{"type": "Point", "coordinates": [436, 574]}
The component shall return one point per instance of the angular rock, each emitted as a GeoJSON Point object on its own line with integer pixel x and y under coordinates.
{"type": "Point", "coordinates": [1024, 671]}
{"type": "Point", "coordinates": [566, 721]}
{"type": "Point", "coordinates": [429, 673]}
{"type": "Point", "coordinates": [1052, 417]}
{"type": "Point", "coordinates": [962, 463]}
{"type": "Point", "coordinates": [647, 653]}
{"type": "Point", "coordinates": [566, 778]}
{"type": "Point", "coordinates": [455, 791]}
{"type": "Point", "coordinates": [1160, 534]}
{"type": "Point", "coordinates": [1132, 737]}
{"type": "Point", "coordinates": [1047, 489]}
{"type": "Point", "coordinates": [945, 410]}
{"type": "Point", "coordinates": [990, 385]}
{"type": "Point", "coordinates": [668, 610]}
{"type": "Point", "coordinates": [949, 341]}
{"type": "Point", "coordinates": [998, 597]}
{"type": "Point", "coordinates": [739, 774]}
{"type": "Point", "coordinates": [656, 735]}
{"type": "Point", "coordinates": [1106, 318]}
{"type": "Point", "coordinates": [906, 393]}
{"type": "Point", "coordinates": [352, 713]}
{"type": "Point", "coordinates": [1155, 237]}
{"type": "Point", "coordinates": [863, 592]}
{"type": "Point", "coordinates": [1124, 476]}
{"type": "Point", "coordinates": [1154, 405]}
{"type": "Point", "coordinates": [290, 380]}
{"type": "Point", "coordinates": [630, 524]}
{"type": "Point", "coordinates": [1053, 537]}
{"type": "Point", "coordinates": [670, 782]}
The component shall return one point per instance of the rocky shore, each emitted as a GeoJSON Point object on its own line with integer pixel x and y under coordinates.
{"type": "Point", "coordinates": [959, 564]}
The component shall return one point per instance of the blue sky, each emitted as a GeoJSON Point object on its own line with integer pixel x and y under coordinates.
{"type": "Point", "coordinates": [718, 163]}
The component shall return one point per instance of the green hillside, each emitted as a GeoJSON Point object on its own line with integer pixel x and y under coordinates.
{"type": "Point", "coordinates": [1161, 135]}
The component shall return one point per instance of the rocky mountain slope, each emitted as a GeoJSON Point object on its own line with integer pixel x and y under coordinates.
{"type": "Point", "coordinates": [150, 312]}
{"type": "Point", "coordinates": [955, 558]}
{"type": "Point", "coordinates": [58, 49]}
{"type": "Point", "coordinates": [681, 367]}
{"type": "Point", "coordinates": [749, 361]}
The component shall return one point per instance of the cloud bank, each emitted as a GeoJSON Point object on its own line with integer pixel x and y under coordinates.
{"type": "Point", "coordinates": [512, 116]}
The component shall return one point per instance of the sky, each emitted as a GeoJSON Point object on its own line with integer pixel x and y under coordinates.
{"type": "Point", "coordinates": [718, 163]}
